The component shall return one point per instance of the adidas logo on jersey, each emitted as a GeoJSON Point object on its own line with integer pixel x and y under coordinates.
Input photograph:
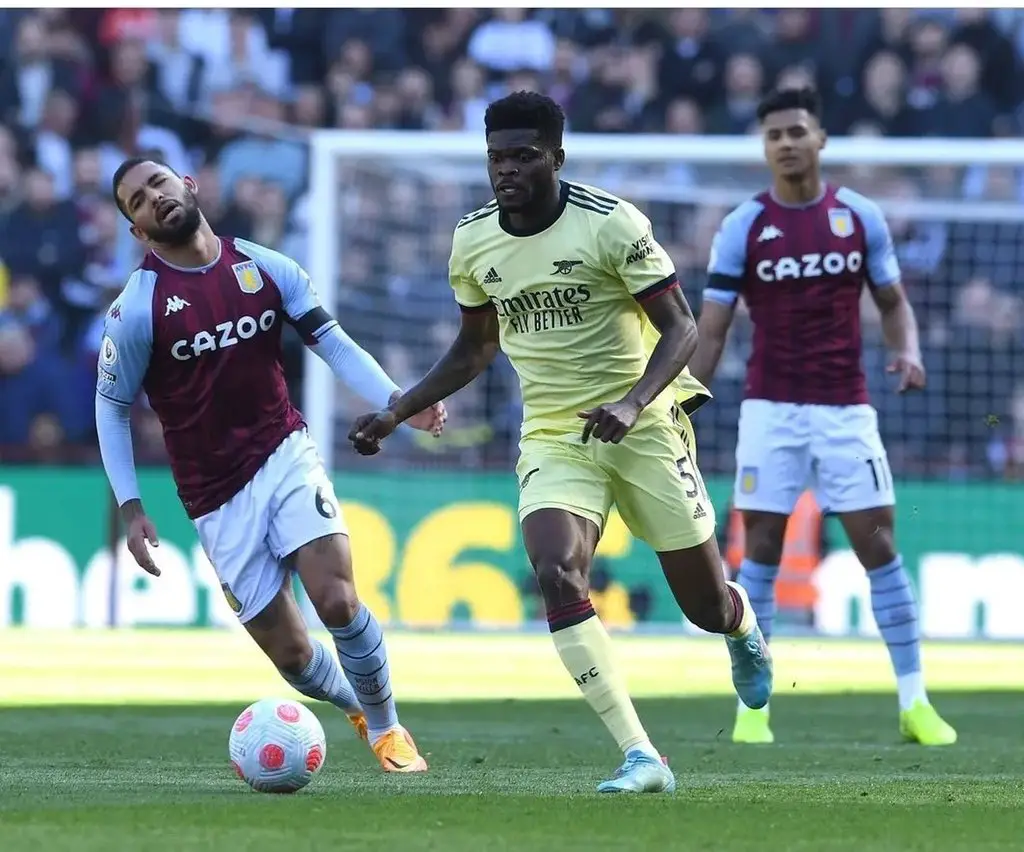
{"type": "Point", "coordinates": [770, 232]}
{"type": "Point", "coordinates": [175, 304]}
{"type": "Point", "coordinates": [492, 276]}
{"type": "Point", "coordinates": [699, 512]}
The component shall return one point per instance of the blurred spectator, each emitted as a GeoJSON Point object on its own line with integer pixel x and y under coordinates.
{"type": "Point", "coordinates": [744, 85]}
{"type": "Point", "coordinates": [510, 41]}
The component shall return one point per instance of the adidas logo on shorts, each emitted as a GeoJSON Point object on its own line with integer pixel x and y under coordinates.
{"type": "Point", "coordinates": [699, 513]}
{"type": "Point", "coordinates": [492, 276]}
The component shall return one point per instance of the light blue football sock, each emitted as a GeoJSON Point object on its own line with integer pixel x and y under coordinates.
{"type": "Point", "coordinates": [323, 680]}
{"type": "Point", "coordinates": [758, 581]}
{"type": "Point", "coordinates": [892, 601]}
{"type": "Point", "coordinates": [364, 658]}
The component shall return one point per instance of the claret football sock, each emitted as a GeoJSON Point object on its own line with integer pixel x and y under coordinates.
{"type": "Point", "coordinates": [892, 601]}
{"type": "Point", "coordinates": [586, 652]}
{"type": "Point", "coordinates": [364, 658]}
{"type": "Point", "coordinates": [323, 680]}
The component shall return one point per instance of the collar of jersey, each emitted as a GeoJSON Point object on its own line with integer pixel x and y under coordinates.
{"type": "Point", "coordinates": [563, 199]}
{"type": "Point", "coordinates": [206, 267]}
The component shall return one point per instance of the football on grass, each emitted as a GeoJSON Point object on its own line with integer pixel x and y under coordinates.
{"type": "Point", "coordinates": [277, 745]}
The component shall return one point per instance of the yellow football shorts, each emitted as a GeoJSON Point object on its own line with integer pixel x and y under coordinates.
{"type": "Point", "coordinates": [650, 477]}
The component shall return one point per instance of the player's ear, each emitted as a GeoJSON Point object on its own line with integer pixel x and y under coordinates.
{"type": "Point", "coordinates": [137, 232]}
{"type": "Point", "coordinates": [190, 182]}
{"type": "Point", "coordinates": [559, 158]}
{"type": "Point", "coordinates": [822, 138]}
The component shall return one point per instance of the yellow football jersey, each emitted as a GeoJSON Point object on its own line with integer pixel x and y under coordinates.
{"type": "Point", "coordinates": [568, 303]}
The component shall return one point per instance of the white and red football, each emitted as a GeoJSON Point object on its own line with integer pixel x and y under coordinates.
{"type": "Point", "coordinates": [277, 745]}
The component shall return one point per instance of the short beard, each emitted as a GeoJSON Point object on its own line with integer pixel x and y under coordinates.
{"type": "Point", "coordinates": [175, 236]}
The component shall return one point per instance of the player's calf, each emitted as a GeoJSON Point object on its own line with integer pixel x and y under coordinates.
{"type": "Point", "coordinates": [892, 597]}
{"type": "Point", "coordinates": [325, 567]}
{"type": "Point", "coordinates": [697, 580]}
{"type": "Point", "coordinates": [303, 662]}
{"type": "Point", "coordinates": [560, 546]}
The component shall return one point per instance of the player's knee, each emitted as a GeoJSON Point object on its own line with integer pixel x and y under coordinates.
{"type": "Point", "coordinates": [337, 604]}
{"type": "Point", "coordinates": [877, 550]}
{"type": "Point", "coordinates": [872, 536]}
{"type": "Point", "coordinates": [764, 535]}
{"type": "Point", "coordinates": [561, 578]}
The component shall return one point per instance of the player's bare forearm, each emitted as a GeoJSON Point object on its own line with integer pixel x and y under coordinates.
{"type": "Point", "coordinates": [712, 332]}
{"type": "Point", "coordinates": [899, 324]}
{"type": "Point", "coordinates": [672, 316]}
{"type": "Point", "coordinates": [469, 355]}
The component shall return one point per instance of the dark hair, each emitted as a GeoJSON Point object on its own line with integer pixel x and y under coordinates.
{"type": "Point", "coordinates": [527, 111]}
{"type": "Point", "coordinates": [779, 99]}
{"type": "Point", "coordinates": [122, 170]}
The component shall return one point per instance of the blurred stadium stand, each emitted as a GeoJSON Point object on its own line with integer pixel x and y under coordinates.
{"type": "Point", "coordinates": [230, 96]}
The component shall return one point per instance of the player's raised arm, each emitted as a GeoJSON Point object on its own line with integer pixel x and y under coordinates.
{"type": "Point", "coordinates": [323, 334]}
{"type": "Point", "coordinates": [899, 325]}
{"type": "Point", "coordinates": [123, 362]}
{"type": "Point", "coordinates": [726, 267]}
{"type": "Point", "coordinates": [469, 355]}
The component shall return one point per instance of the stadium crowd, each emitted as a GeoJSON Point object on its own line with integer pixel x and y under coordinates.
{"type": "Point", "coordinates": [230, 97]}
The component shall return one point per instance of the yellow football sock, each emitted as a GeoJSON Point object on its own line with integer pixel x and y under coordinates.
{"type": "Point", "coordinates": [586, 652]}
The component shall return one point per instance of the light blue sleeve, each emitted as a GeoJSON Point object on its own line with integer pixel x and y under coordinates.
{"type": "Point", "coordinates": [123, 361]}
{"type": "Point", "coordinates": [727, 262]}
{"type": "Point", "coordinates": [298, 296]}
{"type": "Point", "coordinates": [881, 263]}
{"type": "Point", "coordinates": [320, 331]}
{"type": "Point", "coordinates": [127, 340]}
{"type": "Point", "coordinates": [114, 430]}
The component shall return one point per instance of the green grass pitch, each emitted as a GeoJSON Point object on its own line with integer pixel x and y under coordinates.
{"type": "Point", "coordinates": [117, 741]}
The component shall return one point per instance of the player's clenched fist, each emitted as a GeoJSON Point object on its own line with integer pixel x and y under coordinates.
{"type": "Point", "coordinates": [911, 372]}
{"type": "Point", "coordinates": [370, 429]}
{"type": "Point", "coordinates": [611, 422]}
{"type": "Point", "coordinates": [140, 531]}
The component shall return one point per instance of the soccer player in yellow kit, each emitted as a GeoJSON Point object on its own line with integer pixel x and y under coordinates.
{"type": "Point", "coordinates": [569, 281]}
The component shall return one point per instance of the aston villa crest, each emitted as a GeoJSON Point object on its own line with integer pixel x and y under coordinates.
{"type": "Point", "coordinates": [840, 220]}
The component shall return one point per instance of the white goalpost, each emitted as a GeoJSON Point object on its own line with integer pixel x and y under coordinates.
{"type": "Point", "coordinates": [383, 205]}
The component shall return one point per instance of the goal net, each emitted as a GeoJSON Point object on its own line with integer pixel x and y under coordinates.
{"type": "Point", "coordinates": [385, 204]}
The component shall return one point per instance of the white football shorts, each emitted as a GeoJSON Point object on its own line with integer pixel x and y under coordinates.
{"type": "Point", "coordinates": [290, 502]}
{"type": "Point", "coordinates": [785, 448]}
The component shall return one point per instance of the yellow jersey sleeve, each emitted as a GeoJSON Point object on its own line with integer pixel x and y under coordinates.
{"type": "Point", "coordinates": [634, 256]}
{"type": "Point", "coordinates": [468, 293]}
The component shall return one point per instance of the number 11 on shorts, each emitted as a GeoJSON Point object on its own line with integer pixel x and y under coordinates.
{"type": "Point", "coordinates": [880, 473]}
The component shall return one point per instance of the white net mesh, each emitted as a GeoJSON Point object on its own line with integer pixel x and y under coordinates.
{"type": "Point", "coordinates": [958, 233]}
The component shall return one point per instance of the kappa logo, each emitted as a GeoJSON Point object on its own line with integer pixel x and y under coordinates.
{"type": "Point", "coordinates": [565, 267]}
{"type": "Point", "coordinates": [770, 232]}
{"type": "Point", "coordinates": [175, 304]}
{"type": "Point", "coordinates": [247, 274]}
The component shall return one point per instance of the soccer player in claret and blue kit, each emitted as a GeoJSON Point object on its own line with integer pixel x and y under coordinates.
{"type": "Point", "coordinates": [198, 328]}
{"type": "Point", "coordinates": [800, 254]}
{"type": "Point", "coordinates": [570, 282]}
